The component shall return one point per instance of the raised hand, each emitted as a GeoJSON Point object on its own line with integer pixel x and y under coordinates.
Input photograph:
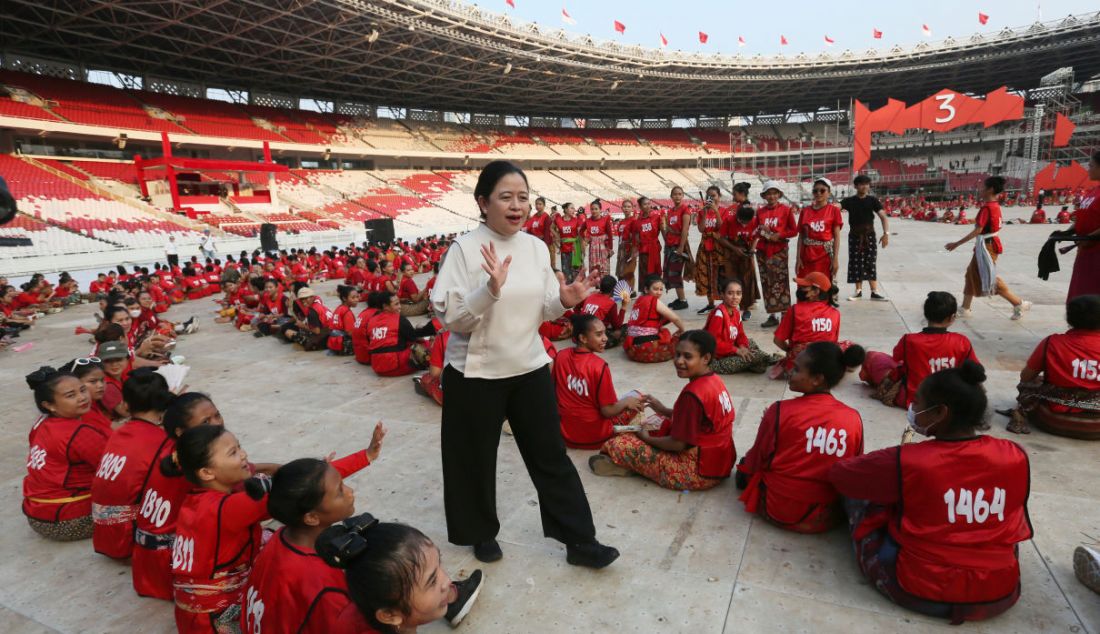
{"type": "Point", "coordinates": [497, 270]}
{"type": "Point", "coordinates": [573, 294]}
{"type": "Point", "coordinates": [375, 446]}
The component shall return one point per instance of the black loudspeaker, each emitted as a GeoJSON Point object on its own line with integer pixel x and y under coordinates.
{"type": "Point", "coordinates": [268, 242]}
{"type": "Point", "coordinates": [379, 230]}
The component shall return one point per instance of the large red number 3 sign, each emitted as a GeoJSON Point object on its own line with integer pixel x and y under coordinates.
{"type": "Point", "coordinates": [943, 111]}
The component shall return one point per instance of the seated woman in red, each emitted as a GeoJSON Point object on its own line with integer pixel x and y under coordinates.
{"type": "Point", "coordinates": [694, 449]}
{"type": "Point", "coordinates": [313, 321]}
{"type": "Point", "coordinates": [413, 300]}
{"type": "Point", "coordinates": [785, 473]}
{"type": "Point", "coordinates": [589, 407]}
{"type": "Point", "coordinates": [65, 451]}
{"type": "Point", "coordinates": [271, 311]}
{"type": "Point", "coordinates": [918, 354]}
{"type": "Point", "coordinates": [291, 589]}
{"type": "Point", "coordinates": [937, 524]}
{"type": "Point", "coordinates": [218, 533]}
{"type": "Point", "coordinates": [343, 321]}
{"type": "Point", "coordinates": [90, 372]}
{"type": "Point", "coordinates": [813, 318]}
{"type": "Point", "coordinates": [559, 329]}
{"type": "Point", "coordinates": [129, 457]}
{"type": "Point", "coordinates": [394, 346]}
{"type": "Point", "coordinates": [647, 341]}
{"type": "Point", "coordinates": [962, 219]}
{"type": "Point", "coordinates": [1039, 216]}
{"type": "Point", "coordinates": [1064, 217]}
{"type": "Point", "coordinates": [948, 217]}
{"type": "Point", "coordinates": [735, 352]}
{"type": "Point", "coordinates": [1059, 389]}
{"type": "Point", "coordinates": [428, 384]}
{"type": "Point", "coordinates": [394, 577]}
{"type": "Point", "coordinates": [608, 308]}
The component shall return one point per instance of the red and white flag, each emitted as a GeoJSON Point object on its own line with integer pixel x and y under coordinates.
{"type": "Point", "coordinates": [703, 37]}
{"type": "Point", "coordinates": [740, 40]}
{"type": "Point", "coordinates": [783, 40]}
{"type": "Point", "coordinates": [877, 34]}
{"type": "Point", "coordinates": [511, 3]}
{"type": "Point", "coordinates": [926, 30]}
{"type": "Point", "coordinates": [565, 17]}
{"type": "Point", "coordinates": [982, 18]}
{"type": "Point", "coordinates": [829, 41]}
{"type": "Point", "coordinates": [664, 40]}
{"type": "Point", "coordinates": [619, 26]}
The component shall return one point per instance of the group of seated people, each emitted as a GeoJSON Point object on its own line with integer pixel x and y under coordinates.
{"type": "Point", "coordinates": [171, 490]}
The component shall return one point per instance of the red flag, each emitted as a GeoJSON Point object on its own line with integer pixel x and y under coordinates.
{"type": "Point", "coordinates": [511, 3]}
{"type": "Point", "coordinates": [565, 17]}
{"type": "Point", "coordinates": [926, 30]}
{"type": "Point", "coordinates": [876, 33]}
{"type": "Point", "coordinates": [982, 18]}
{"type": "Point", "coordinates": [620, 27]}
{"type": "Point", "coordinates": [830, 41]}
{"type": "Point", "coordinates": [703, 37]}
{"type": "Point", "coordinates": [740, 40]}
{"type": "Point", "coordinates": [783, 40]}
{"type": "Point", "coordinates": [664, 40]}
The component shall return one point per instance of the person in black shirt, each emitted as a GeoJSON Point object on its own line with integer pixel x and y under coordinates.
{"type": "Point", "coordinates": [862, 247]}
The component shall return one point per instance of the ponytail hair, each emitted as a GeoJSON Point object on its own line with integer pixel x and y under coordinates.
{"type": "Point", "coordinates": [382, 563]}
{"type": "Point", "coordinates": [179, 412]}
{"type": "Point", "coordinates": [827, 359]}
{"type": "Point", "coordinates": [960, 390]}
{"type": "Point", "coordinates": [344, 290]}
{"type": "Point", "coordinates": [192, 452]}
{"type": "Point", "coordinates": [296, 489]}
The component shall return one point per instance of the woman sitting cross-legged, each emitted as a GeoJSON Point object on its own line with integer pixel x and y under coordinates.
{"type": "Point", "coordinates": [918, 354]}
{"type": "Point", "coordinates": [785, 473]}
{"type": "Point", "coordinates": [647, 341]}
{"type": "Point", "coordinates": [1059, 390]}
{"type": "Point", "coordinates": [694, 449]}
{"type": "Point", "coordinates": [735, 351]}
{"type": "Point", "coordinates": [937, 524]}
{"type": "Point", "coordinates": [394, 346]}
{"type": "Point", "coordinates": [589, 407]}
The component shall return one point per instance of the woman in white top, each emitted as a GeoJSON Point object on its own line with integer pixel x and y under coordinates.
{"type": "Point", "coordinates": [494, 289]}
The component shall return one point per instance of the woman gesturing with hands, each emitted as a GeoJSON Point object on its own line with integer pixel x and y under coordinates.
{"type": "Point", "coordinates": [495, 287]}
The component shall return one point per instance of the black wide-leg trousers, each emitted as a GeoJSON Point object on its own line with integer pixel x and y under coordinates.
{"type": "Point", "coordinates": [473, 414]}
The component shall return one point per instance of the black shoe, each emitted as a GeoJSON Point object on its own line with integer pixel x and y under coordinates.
{"type": "Point", "coordinates": [705, 309]}
{"type": "Point", "coordinates": [679, 304]}
{"type": "Point", "coordinates": [418, 388]}
{"type": "Point", "coordinates": [593, 555]}
{"type": "Point", "coordinates": [468, 589]}
{"type": "Point", "coordinates": [772, 322]}
{"type": "Point", "coordinates": [875, 297]}
{"type": "Point", "coordinates": [488, 551]}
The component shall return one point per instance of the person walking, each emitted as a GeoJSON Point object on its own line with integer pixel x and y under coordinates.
{"type": "Point", "coordinates": [494, 289]}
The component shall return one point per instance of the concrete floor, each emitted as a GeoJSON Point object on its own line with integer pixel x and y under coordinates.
{"type": "Point", "coordinates": [691, 562]}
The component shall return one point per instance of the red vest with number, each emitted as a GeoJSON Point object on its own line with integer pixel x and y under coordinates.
{"type": "Point", "coordinates": [1073, 359]}
{"type": "Point", "coordinates": [51, 473]}
{"type": "Point", "coordinates": [963, 509]}
{"type": "Point", "coordinates": [360, 336]}
{"type": "Point", "coordinates": [813, 432]}
{"type": "Point", "coordinates": [712, 222]}
{"type": "Point", "coordinates": [324, 315]}
{"type": "Point", "coordinates": [291, 589]}
{"type": "Point", "coordinates": [123, 472]}
{"type": "Point", "coordinates": [382, 330]}
{"type": "Point", "coordinates": [716, 450]}
{"type": "Point", "coordinates": [676, 218]}
{"type": "Point", "coordinates": [923, 353]}
{"type": "Point", "coordinates": [644, 314]}
{"type": "Point", "coordinates": [813, 321]}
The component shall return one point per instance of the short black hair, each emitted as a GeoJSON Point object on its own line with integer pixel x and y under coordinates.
{"type": "Point", "coordinates": [862, 179]}
{"type": "Point", "coordinates": [702, 340]}
{"type": "Point", "coordinates": [1083, 312]}
{"type": "Point", "coordinates": [996, 183]}
{"type": "Point", "coordinates": [939, 306]}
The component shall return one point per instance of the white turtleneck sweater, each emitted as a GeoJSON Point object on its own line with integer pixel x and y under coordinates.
{"type": "Point", "coordinates": [496, 337]}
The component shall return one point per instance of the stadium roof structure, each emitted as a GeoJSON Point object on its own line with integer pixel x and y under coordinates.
{"type": "Point", "coordinates": [445, 55]}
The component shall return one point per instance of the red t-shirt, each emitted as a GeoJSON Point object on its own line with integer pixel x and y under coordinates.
{"type": "Point", "coordinates": [63, 456]}
{"type": "Point", "coordinates": [648, 228]}
{"type": "Point", "coordinates": [604, 308]}
{"type": "Point", "coordinates": [806, 322]}
{"type": "Point", "coordinates": [931, 350]}
{"type": "Point", "coordinates": [780, 219]}
{"type": "Point", "coordinates": [568, 229]}
{"type": "Point", "coordinates": [820, 224]}
{"type": "Point", "coordinates": [438, 352]}
{"type": "Point", "coordinates": [725, 324]}
{"type": "Point", "coordinates": [711, 221]}
{"type": "Point", "coordinates": [734, 231]}
{"type": "Point", "coordinates": [598, 229]}
{"type": "Point", "coordinates": [1088, 219]}
{"type": "Point", "coordinates": [538, 225]}
{"type": "Point", "coordinates": [407, 289]}
{"type": "Point", "coordinates": [583, 383]}
{"type": "Point", "coordinates": [989, 219]}
{"type": "Point", "coordinates": [676, 219]}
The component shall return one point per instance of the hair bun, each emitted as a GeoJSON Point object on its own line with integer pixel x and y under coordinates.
{"type": "Point", "coordinates": [853, 356]}
{"type": "Point", "coordinates": [257, 486]}
{"type": "Point", "coordinates": [972, 372]}
{"type": "Point", "coordinates": [330, 546]}
{"type": "Point", "coordinates": [40, 376]}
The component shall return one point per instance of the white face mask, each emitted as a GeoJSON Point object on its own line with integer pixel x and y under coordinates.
{"type": "Point", "coordinates": [911, 418]}
{"type": "Point", "coordinates": [135, 313]}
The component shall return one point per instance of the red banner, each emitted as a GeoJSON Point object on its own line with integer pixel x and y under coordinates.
{"type": "Point", "coordinates": [943, 111]}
